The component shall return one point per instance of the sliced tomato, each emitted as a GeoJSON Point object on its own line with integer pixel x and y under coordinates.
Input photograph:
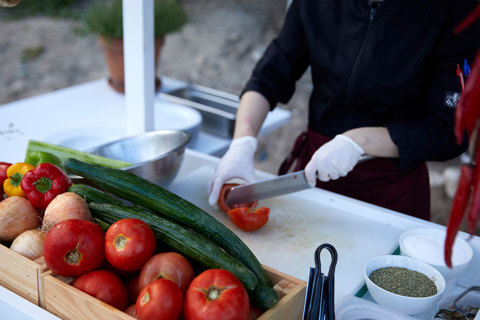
{"type": "Point", "coordinates": [223, 195]}
{"type": "Point", "coordinates": [249, 219]}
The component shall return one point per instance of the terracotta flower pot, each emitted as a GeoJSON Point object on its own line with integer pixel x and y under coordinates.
{"type": "Point", "coordinates": [113, 49]}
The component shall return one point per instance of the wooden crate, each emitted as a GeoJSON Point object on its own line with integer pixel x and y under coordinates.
{"type": "Point", "coordinates": [68, 303]}
{"type": "Point", "coordinates": [21, 275]}
{"type": "Point", "coordinates": [291, 292]}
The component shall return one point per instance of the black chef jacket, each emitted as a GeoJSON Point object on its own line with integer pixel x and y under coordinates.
{"type": "Point", "coordinates": [389, 64]}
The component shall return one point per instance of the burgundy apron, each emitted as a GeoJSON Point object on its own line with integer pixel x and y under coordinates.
{"type": "Point", "coordinates": [378, 181]}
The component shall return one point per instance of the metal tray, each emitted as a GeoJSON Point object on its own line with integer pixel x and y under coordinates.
{"type": "Point", "coordinates": [218, 108]}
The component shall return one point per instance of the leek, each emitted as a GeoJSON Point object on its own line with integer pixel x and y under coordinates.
{"type": "Point", "coordinates": [64, 152]}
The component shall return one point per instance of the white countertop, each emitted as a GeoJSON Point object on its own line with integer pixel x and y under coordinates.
{"type": "Point", "coordinates": [14, 307]}
{"type": "Point", "coordinates": [354, 227]}
{"type": "Point", "coordinates": [301, 221]}
{"type": "Point", "coordinates": [86, 115]}
{"type": "Point", "coordinates": [95, 113]}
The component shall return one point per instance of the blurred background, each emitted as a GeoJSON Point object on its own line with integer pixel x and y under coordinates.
{"type": "Point", "coordinates": [46, 45]}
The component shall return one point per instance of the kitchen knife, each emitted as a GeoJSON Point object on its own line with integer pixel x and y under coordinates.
{"type": "Point", "coordinates": [270, 188]}
{"type": "Point", "coordinates": [287, 183]}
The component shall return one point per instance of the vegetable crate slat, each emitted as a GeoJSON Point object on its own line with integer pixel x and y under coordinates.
{"type": "Point", "coordinates": [69, 303]}
{"type": "Point", "coordinates": [21, 275]}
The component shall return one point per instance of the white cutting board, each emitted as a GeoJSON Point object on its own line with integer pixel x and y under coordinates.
{"type": "Point", "coordinates": [298, 224]}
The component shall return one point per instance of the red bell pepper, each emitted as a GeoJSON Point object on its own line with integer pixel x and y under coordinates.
{"type": "Point", "coordinates": [3, 175]}
{"type": "Point", "coordinates": [44, 183]}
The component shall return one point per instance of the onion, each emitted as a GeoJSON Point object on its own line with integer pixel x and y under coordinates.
{"type": "Point", "coordinates": [68, 205]}
{"type": "Point", "coordinates": [29, 244]}
{"type": "Point", "coordinates": [16, 216]}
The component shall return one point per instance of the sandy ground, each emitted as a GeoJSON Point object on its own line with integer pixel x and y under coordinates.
{"type": "Point", "coordinates": [218, 48]}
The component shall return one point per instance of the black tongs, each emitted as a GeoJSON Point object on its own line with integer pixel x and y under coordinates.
{"type": "Point", "coordinates": [319, 300]}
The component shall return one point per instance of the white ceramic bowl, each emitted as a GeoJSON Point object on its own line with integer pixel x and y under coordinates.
{"type": "Point", "coordinates": [427, 245]}
{"type": "Point", "coordinates": [407, 305]}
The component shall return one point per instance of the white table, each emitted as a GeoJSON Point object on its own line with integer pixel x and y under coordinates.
{"type": "Point", "coordinates": [330, 209]}
{"type": "Point", "coordinates": [87, 115]}
{"type": "Point", "coordinates": [358, 230]}
{"type": "Point", "coordinates": [14, 307]}
{"type": "Point", "coordinates": [94, 106]}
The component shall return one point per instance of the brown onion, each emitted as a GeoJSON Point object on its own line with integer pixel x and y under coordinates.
{"type": "Point", "coordinates": [68, 205]}
{"type": "Point", "coordinates": [16, 216]}
{"type": "Point", "coordinates": [29, 244]}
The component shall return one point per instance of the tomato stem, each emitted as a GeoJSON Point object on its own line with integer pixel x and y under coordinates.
{"type": "Point", "coordinates": [145, 298]}
{"type": "Point", "coordinates": [74, 256]}
{"type": "Point", "coordinates": [214, 292]}
{"type": "Point", "coordinates": [120, 242]}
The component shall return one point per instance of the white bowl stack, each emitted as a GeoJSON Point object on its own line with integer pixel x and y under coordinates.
{"type": "Point", "coordinates": [427, 245]}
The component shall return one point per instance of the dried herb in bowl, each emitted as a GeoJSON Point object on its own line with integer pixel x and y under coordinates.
{"type": "Point", "coordinates": [404, 282]}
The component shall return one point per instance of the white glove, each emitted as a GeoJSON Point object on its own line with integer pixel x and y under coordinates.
{"type": "Point", "coordinates": [333, 160]}
{"type": "Point", "coordinates": [236, 163]}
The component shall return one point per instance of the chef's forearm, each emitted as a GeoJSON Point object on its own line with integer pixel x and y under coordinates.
{"type": "Point", "coordinates": [252, 111]}
{"type": "Point", "coordinates": [375, 141]}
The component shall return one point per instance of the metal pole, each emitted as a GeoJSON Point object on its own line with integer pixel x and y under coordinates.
{"type": "Point", "coordinates": [138, 43]}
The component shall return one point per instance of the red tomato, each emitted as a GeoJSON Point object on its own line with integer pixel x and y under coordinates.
{"type": "Point", "coordinates": [161, 299]}
{"type": "Point", "coordinates": [167, 265]}
{"type": "Point", "coordinates": [131, 311]}
{"type": "Point", "coordinates": [223, 195]}
{"type": "Point", "coordinates": [129, 243]}
{"type": "Point", "coordinates": [249, 219]}
{"type": "Point", "coordinates": [216, 294]}
{"type": "Point", "coordinates": [121, 273]}
{"type": "Point", "coordinates": [74, 247]}
{"type": "Point", "coordinates": [105, 286]}
{"type": "Point", "coordinates": [133, 289]}
{"type": "Point", "coordinates": [255, 313]}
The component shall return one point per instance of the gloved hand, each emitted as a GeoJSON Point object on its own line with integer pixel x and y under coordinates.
{"type": "Point", "coordinates": [236, 163]}
{"type": "Point", "coordinates": [333, 160]}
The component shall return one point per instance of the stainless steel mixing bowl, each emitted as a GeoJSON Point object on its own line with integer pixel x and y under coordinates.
{"type": "Point", "coordinates": [156, 155]}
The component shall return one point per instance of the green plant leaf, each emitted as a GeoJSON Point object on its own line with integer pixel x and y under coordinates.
{"type": "Point", "coordinates": [105, 18]}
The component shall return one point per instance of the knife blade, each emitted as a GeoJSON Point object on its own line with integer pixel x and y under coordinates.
{"type": "Point", "coordinates": [287, 183]}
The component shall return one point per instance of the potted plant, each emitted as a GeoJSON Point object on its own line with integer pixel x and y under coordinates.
{"type": "Point", "coordinates": [105, 19]}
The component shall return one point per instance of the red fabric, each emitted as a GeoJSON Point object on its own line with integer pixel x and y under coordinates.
{"type": "Point", "coordinates": [378, 181]}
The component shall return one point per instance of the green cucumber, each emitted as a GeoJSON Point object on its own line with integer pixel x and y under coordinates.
{"type": "Point", "coordinates": [186, 241]}
{"type": "Point", "coordinates": [102, 224]}
{"type": "Point", "coordinates": [91, 194]}
{"type": "Point", "coordinates": [133, 188]}
{"type": "Point", "coordinates": [263, 297]}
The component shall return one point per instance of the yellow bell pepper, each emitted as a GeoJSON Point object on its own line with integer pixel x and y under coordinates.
{"type": "Point", "coordinates": [15, 172]}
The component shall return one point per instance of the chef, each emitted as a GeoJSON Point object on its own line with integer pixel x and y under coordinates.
{"type": "Point", "coordinates": [384, 85]}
